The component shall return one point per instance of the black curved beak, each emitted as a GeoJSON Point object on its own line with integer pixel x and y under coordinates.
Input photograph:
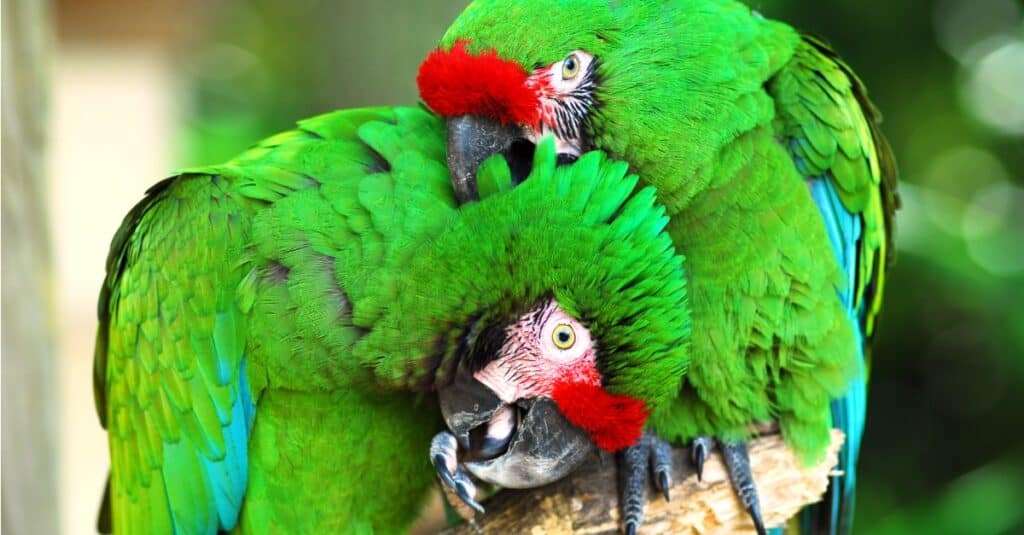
{"type": "Point", "coordinates": [472, 139]}
{"type": "Point", "coordinates": [468, 407]}
{"type": "Point", "coordinates": [546, 448]}
{"type": "Point", "coordinates": [541, 446]}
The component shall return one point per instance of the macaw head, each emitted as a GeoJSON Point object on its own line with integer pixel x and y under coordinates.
{"type": "Point", "coordinates": [661, 84]}
{"type": "Point", "coordinates": [550, 317]}
{"type": "Point", "coordinates": [532, 402]}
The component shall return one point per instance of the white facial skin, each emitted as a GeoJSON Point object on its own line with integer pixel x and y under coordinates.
{"type": "Point", "coordinates": [566, 95]}
{"type": "Point", "coordinates": [545, 345]}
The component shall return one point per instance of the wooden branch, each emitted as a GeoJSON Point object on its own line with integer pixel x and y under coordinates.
{"type": "Point", "coordinates": [587, 502]}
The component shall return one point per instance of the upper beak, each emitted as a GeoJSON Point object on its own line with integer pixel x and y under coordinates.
{"type": "Point", "coordinates": [471, 140]}
{"type": "Point", "coordinates": [468, 406]}
{"type": "Point", "coordinates": [540, 447]}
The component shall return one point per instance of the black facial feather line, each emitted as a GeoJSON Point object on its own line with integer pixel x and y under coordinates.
{"type": "Point", "coordinates": [572, 108]}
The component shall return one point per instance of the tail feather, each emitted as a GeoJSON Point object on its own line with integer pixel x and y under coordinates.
{"type": "Point", "coordinates": [834, 514]}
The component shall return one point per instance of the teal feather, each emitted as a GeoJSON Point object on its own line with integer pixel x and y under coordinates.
{"type": "Point", "coordinates": [848, 411]}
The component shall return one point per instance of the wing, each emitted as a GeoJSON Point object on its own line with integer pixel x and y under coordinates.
{"type": "Point", "coordinates": [170, 377]}
{"type": "Point", "coordinates": [830, 128]}
{"type": "Point", "coordinates": [235, 269]}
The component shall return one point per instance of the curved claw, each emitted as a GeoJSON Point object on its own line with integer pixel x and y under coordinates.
{"type": "Point", "coordinates": [738, 463]}
{"type": "Point", "coordinates": [699, 451]}
{"type": "Point", "coordinates": [455, 482]}
{"type": "Point", "coordinates": [665, 483]}
{"type": "Point", "coordinates": [661, 465]}
{"type": "Point", "coordinates": [650, 455]}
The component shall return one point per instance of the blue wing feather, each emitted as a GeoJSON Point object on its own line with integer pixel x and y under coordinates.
{"type": "Point", "coordinates": [830, 129]}
{"type": "Point", "coordinates": [229, 475]}
{"type": "Point", "coordinates": [848, 412]}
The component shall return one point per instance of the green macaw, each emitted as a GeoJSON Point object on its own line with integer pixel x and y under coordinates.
{"type": "Point", "coordinates": [764, 148]}
{"type": "Point", "coordinates": [273, 331]}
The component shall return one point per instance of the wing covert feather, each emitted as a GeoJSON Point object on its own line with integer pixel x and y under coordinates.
{"type": "Point", "coordinates": [225, 278]}
{"type": "Point", "coordinates": [168, 369]}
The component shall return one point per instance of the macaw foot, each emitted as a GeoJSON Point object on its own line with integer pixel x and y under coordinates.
{"type": "Point", "coordinates": [455, 482]}
{"type": "Point", "coordinates": [649, 455]}
{"type": "Point", "coordinates": [738, 463]}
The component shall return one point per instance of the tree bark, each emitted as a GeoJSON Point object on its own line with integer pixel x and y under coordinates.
{"type": "Point", "coordinates": [30, 385]}
{"type": "Point", "coordinates": [587, 501]}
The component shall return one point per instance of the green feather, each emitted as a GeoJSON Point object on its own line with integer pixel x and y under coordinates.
{"type": "Point", "coordinates": [728, 114]}
{"type": "Point", "coordinates": [322, 278]}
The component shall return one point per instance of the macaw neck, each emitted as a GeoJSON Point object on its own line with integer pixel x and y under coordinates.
{"type": "Point", "coordinates": [690, 162]}
{"type": "Point", "coordinates": [674, 105]}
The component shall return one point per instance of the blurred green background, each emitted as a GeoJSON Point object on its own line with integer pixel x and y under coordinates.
{"type": "Point", "coordinates": [944, 447]}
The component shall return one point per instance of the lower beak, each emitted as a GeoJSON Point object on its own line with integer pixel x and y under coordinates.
{"type": "Point", "coordinates": [545, 448]}
{"type": "Point", "coordinates": [536, 447]}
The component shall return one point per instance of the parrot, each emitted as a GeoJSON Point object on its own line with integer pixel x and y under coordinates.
{"type": "Point", "coordinates": [780, 187]}
{"type": "Point", "coordinates": [276, 332]}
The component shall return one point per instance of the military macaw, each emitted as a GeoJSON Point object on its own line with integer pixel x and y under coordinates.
{"type": "Point", "coordinates": [274, 330]}
{"type": "Point", "coordinates": [765, 150]}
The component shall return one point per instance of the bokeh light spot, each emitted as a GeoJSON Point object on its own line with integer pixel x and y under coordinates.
{"type": "Point", "coordinates": [994, 88]}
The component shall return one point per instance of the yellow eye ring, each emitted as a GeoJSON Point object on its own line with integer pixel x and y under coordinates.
{"type": "Point", "coordinates": [570, 67]}
{"type": "Point", "coordinates": [563, 336]}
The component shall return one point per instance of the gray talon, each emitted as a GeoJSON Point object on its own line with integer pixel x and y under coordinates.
{"type": "Point", "coordinates": [455, 482]}
{"type": "Point", "coordinates": [738, 463]}
{"type": "Point", "coordinates": [699, 450]}
{"type": "Point", "coordinates": [442, 472]}
{"type": "Point", "coordinates": [635, 460]}
{"type": "Point", "coordinates": [465, 490]}
{"type": "Point", "coordinates": [655, 455]}
{"type": "Point", "coordinates": [665, 484]}
{"type": "Point", "coordinates": [650, 455]}
{"type": "Point", "coordinates": [661, 465]}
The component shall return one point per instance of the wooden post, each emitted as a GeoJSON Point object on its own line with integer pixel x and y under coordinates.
{"type": "Point", "coordinates": [587, 502]}
{"type": "Point", "coordinates": [30, 384]}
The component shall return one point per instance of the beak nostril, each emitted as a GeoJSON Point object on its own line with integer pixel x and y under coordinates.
{"type": "Point", "coordinates": [520, 159]}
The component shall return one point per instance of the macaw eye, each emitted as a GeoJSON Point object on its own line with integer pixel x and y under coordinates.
{"type": "Point", "coordinates": [570, 67]}
{"type": "Point", "coordinates": [563, 336]}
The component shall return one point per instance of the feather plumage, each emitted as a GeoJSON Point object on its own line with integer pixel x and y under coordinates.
{"type": "Point", "coordinates": [271, 325]}
{"type": "Point", "coordinates": [734, 118]}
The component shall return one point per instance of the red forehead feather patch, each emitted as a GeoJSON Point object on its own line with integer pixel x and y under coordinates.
{"type": "Point", "coordinates": [455, 82]}
{"type": "Point", "coordinates": [613, 422]}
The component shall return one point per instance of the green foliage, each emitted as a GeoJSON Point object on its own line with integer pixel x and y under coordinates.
{"type": "Point", "coordinates": [261, 64]}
